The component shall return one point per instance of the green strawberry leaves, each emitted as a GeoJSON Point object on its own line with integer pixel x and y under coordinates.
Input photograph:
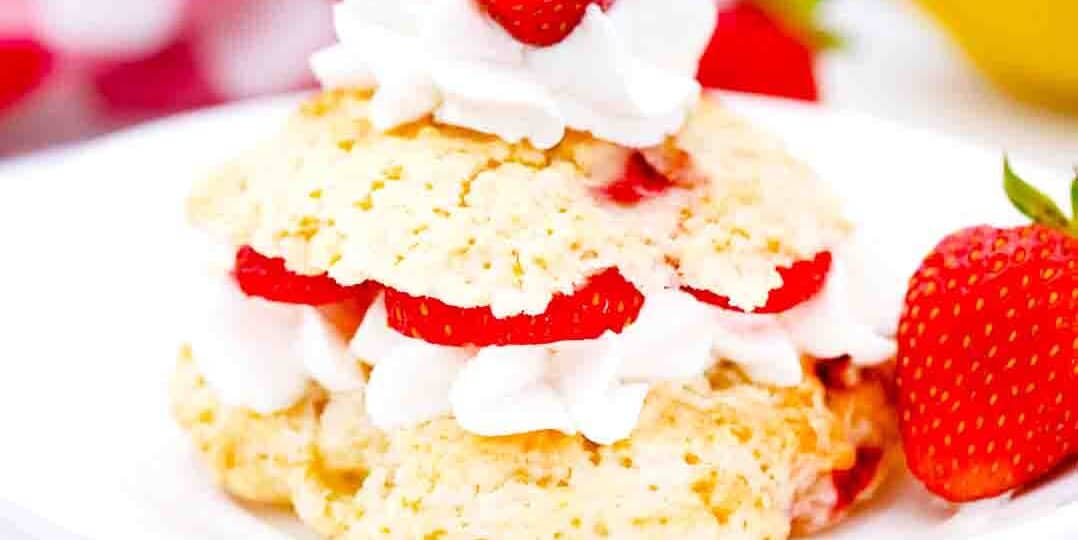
{"type": "Point", "coordinates": [1038, 206]}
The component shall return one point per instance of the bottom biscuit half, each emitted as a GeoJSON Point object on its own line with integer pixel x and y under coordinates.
{"type": "Point", "coordinates": [712, 458]}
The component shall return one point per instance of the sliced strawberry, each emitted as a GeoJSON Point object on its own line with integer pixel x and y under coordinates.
{"type": "Point", "coordinates": [540, 22]}
{"type": "Point", "coordinates": [639, 181]}
{"type": "Point", "coordinates": [988, 354]}
{"type": "Point", "coordinates": [753, 51]}
{"type": "Point", "coordinates": [850, 484]}
{"type": "Point", "coordinates": [606, 303]}
{"type": "Point", "coordinates": [265, 277]}
{"type": "Point", "coordinates": [800, 281]}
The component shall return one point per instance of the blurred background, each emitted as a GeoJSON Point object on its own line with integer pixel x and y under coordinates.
{"type": "Point", "coordinates": [1003, 73]}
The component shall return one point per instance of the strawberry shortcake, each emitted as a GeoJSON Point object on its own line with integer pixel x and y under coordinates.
{"type": "Point", "coordinates": [514, 275]}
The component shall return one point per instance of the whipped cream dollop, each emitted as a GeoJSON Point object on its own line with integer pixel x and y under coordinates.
{"type": "Point", "coordinates": [261, 355]}
{"type": "Point", "coordinates": [627, 75]}
{"type": "Point", "coordinates": [595, 387]}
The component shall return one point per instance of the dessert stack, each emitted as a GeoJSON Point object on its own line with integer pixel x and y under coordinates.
{"type": "Point", "coordinates": [514, 274]}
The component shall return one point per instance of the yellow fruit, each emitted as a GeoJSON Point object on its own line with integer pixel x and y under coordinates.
{"type": "Point", "coordinates": [1029, 47]}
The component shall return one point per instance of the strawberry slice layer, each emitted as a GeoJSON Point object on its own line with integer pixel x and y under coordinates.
{"type": "Point", "coordinates": [606, 303]}
{"type": "Point", "coordinates": [800, 281]}
{"type": "Point", "coordinates": [266, 277]}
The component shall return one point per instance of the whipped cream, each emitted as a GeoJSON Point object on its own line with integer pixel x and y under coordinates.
{"type": "Point", "coordinates": [421, 369]}
{"type": "Point", "coordinates": [597, 387]}
{"type": "Point", "coordinates": [260, 354]}
{"type": "Point", "coordinates": [626, 75]}
{"type": "Point", "coordinates": [570, 386]}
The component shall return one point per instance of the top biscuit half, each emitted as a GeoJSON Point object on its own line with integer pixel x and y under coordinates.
{"type": "Point", "coordinates": [472, 220]}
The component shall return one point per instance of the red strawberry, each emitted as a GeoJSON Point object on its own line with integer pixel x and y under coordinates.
{"type": "Point", "coordinates": [800, 281]}
{"type": "Point", "coordinates": [540, 22]}
{"type": "Point", "coordinates": [851, 483]}
{"type": "Point", "coordinates": [606, 302]}
{"type": "Point", "coordinates": [988, 354]}
{"type": "Point", "coordinates": [639, 181]}
{"type": "Point", "coordinates": [268, 278]}
{"type": "Point", "coordinates": [752, 51]}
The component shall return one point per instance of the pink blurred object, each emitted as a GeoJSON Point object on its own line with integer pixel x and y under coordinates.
{"type": "Point", "coordinates": [24, 63]}
{"type": "Point", "coordinates": [169, 80]}
{"type": "Point", "coordinates": [76, 68]}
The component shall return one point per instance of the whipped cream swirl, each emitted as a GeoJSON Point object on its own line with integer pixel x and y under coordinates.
{"type": "Point", "coordinates": [626, 75]}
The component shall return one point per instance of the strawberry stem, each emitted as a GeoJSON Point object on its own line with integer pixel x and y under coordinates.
{"type": "Point", "coordinates": [803, 17]}
{"type": "Point", "coordinates": [1074, 200]}
{"type": "Point", "coordinates": [1036, 205]}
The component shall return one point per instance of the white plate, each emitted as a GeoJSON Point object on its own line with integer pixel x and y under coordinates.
{"type": "Point", "coordinates": [90, 307]}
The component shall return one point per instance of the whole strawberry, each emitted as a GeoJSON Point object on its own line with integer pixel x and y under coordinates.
{"type": "Point", "coordinates": [540, 22]}
{"type": "Point", "coordinates": [987, 371]}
